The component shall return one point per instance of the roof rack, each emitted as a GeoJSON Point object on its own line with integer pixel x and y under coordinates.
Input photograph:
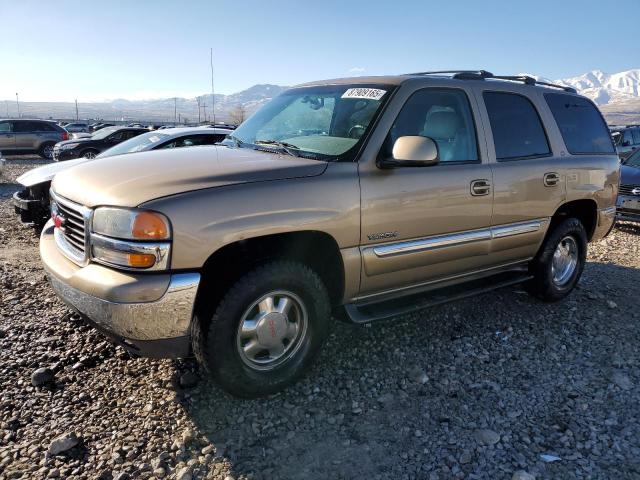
{"type": "Point", "coordinates": [483, 74]}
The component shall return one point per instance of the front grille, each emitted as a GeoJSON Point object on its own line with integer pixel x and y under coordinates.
{"type": "Point", "coordinates": [74, 227]}
{"type": "Point", "coordinates": [627, 189]}
{"type": "Point", "coordinates": [71, 235]}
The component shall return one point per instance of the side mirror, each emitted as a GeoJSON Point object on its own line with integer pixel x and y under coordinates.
{"type": "Point", "coordinates": [412, 151]}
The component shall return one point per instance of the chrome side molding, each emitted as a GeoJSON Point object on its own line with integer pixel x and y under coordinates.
{"type": "Point", "coordinates": [456, 239]}
{"type": "Point", "coordinates": [515, 229]}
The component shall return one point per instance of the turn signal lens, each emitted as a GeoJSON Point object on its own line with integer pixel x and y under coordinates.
{"type": "Point", "coordinates": [141, 260]}
{"type": "Point", "coordinates": [149, 226]}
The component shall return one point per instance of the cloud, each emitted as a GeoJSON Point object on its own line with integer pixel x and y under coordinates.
{"type": "Point", "coordinates": [356, 70]}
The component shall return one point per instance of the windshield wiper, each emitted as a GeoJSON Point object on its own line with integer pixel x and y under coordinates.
{"type": "Point", "coordinates": [290, 148]}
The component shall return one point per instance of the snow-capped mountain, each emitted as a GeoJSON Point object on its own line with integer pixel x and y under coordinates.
{"type": "Point", "coordinates": [604, 88]}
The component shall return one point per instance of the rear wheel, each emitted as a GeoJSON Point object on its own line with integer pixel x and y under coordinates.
{"type": "Point", "coordinates": [266, 330]}
{"type": "Point", "coordinates": [560, 261]}
{"type": "Point", "coordinates": [46, 151]}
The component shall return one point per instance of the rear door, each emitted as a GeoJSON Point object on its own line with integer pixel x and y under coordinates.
{"type": "Point", "coordinates": [25, 132]}
{"type": "Point", "coordinates": [528, 174]}
{"type": "Point", "coordinates": [7, 138]}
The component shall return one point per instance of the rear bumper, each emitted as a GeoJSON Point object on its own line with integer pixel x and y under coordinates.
{"type": "Point", "coordinates": [604, 225]}
{"type": "Point", "coordinates": [149, 314]}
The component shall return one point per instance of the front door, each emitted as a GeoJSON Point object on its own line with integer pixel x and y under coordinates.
{"type": "Point", "coordinates": [422, 224]}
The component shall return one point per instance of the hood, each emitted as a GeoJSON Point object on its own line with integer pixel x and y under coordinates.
{"type": "Point", "coordinates": [75, 140]}
{"type": "Point", "coordinates": [629, 175]}
{"type": "Point", "coordinates": [46, 172]}
{"type": "Point", "coordinates": [132, 179]}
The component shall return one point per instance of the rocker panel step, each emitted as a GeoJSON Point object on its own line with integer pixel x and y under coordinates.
{"type": "Point", "coordinates": [412, 303]}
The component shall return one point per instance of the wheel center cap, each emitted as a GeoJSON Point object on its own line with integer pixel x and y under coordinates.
{"type": "Point", "coordinates": [271, 329]}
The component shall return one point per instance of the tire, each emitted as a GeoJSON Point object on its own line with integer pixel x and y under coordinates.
{"type": "Point", "coordinates": [89, 154]}
{"type": "Point", "coordinates": [46, 151]}
{"type": "Point", "coordinates": [553, 279]}
{"type": "Point", "coordinates": [256, 360]}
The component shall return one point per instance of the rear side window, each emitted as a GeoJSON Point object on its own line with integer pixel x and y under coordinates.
{"type": "Point", "coordinates": [580, 124]}
{"type": "Point", "coordinates": [27, 127]}
{"type": "Point", "coordinates": [46, 127]}
{"type": "Point", "coordinates": [517, 130]}
{"type": "Point", "coordinates": [636, 136]}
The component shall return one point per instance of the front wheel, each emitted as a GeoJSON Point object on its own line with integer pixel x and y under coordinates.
{"type": "Point", "coordinates": [560, 261]}
{"type": "Point", "coordinates": [89, 154]}
{"type": "Point", "coordinates": [266, 330]}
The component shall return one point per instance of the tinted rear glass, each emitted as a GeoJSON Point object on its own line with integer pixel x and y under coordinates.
{"type": "Point", "coordinates": [580, 123]}
{"type": "Point", "coordinates": [516, 127]}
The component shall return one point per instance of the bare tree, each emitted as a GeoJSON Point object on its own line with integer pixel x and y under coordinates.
{"type": "Point", "coordinates": [237, 115]}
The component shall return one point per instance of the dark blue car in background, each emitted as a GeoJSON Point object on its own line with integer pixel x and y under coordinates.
{"type": "Point", "coordinates": [628, 206]}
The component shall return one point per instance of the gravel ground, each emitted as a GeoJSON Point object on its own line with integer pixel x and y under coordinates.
{"type": "Point", "coordinates": [496, 387]}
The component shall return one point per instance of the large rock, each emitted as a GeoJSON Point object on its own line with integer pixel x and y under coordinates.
{"type": "Point", "coordinates": [63, 443]}
{"type": "Point", "coordinates": [42, 376]}
{"type": "Point", "coordinates": [522, 475]}
{"type": "Point", "coordinates": [486, 437]}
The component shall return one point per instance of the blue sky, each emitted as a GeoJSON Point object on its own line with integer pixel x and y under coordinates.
{"type": "Point", "coordinates": [68, 49]}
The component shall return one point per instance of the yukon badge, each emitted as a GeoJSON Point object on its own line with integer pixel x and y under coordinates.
{"type": "Point", "coordinates": [382, 235]}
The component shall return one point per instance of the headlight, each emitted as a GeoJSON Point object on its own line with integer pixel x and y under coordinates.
{"type": "Point", "coordinates": [69, 146]}
{"type": "Point", "coordinates": [130, 238]}
{"type": "Point", "coordinates": [131, 224]}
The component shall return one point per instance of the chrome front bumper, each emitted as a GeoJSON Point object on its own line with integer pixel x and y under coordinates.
{"type": "Point", "coordinates": [150, 314]}
{"type": "Point", "coordinates": [628, 208]}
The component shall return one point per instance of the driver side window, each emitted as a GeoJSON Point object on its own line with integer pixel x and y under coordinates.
{"type": "Point", "coordinates": [444, 115]}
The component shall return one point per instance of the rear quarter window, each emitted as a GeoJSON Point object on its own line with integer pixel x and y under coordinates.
{"type": "Point", "coordinates": [583, 129]}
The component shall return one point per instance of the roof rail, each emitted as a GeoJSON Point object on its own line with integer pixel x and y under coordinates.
{"type": "Point", "coordinates": [483, 74]}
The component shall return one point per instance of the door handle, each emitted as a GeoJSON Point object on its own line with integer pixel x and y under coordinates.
{"type": "Point", "coordinates": [480, 187]}
{"type": "Point", "coordinates": [551, 179]}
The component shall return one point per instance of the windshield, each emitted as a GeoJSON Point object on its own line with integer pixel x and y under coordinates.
{"type": "Point", "coordinates": [323, 122]}
{"type": "Point", "coordinates": [633, 160]}
{"type": "Point", "coordinates": [146, 141]}
{"type": "Point", "coordinates": [103, 133]}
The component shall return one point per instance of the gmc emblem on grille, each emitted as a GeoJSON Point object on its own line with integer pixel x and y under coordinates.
{"type": "Point", "coordinates": [635, 191]}
{"type": "Point", "coordinates": [58, 220]}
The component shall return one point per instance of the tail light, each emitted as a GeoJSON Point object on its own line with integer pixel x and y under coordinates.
{"type": "Point", "coordinates": [65, 136]}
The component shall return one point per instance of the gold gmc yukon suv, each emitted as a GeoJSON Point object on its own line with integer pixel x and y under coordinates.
{"type": "Point", "coordinates": [364, 198]}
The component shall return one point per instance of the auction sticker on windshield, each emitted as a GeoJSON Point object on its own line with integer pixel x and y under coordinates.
{"type": "Point", "coordinates": [368, 93]}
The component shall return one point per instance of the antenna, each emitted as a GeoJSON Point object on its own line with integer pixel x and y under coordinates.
{"type": "Point", "coordinates": [213, 100]}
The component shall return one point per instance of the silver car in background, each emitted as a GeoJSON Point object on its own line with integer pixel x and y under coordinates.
{"type": "Point", "coordinates": [32, 202]}
{"type": "Point", "coordinates": [30, 136]}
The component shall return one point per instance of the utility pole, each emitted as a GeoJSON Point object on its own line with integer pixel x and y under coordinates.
{"type": "Point", "coordinates": [198, 98]}
{"type": "Point", "coordinates": [175, 109]}
{"type": "Point", "coordinates": [18, 104]}
{"type": "Point", "coordinates": [204, 111]}
{"type": "Point", "coordinates": [213, 99]}
{"type": "Point", "coordinates": [76, 109]}
{"type": "Point", "coordinates": [6, 103]}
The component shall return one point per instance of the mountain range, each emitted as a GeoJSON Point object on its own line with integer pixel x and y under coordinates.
{"type": "Point", "coordinates": [617, 95]}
